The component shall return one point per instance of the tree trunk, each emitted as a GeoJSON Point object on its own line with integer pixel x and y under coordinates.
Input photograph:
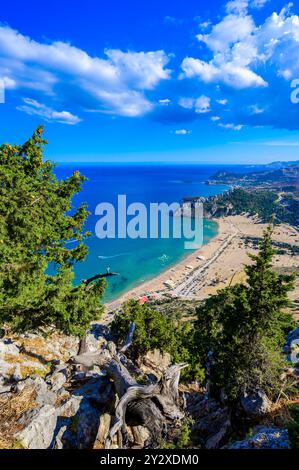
{"type": "Point", "coordinates": [152, 406]}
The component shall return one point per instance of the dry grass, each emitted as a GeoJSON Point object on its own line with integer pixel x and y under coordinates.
{"type": "Point", "coordinates": [11, 409]}
{"type": "Point", "coordinates": [279, 414]}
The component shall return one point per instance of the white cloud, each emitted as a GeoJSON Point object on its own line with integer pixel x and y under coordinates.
{"type": "Point", "coordinates": [115, 84]}
{"type": "Point", "coordinates": [240, 49]}
{"type": "Point", "coordinates": [255, 109]}
{"type": "Point", "coordinates": [165, 102]}
{"type": "Point", "coordinates": [223, 101]}
{"type": "Point", "coordinates": [33, 107]}
{"type": "Point", "coordinates": [215, 118]}
{"type": "Point", "coordinates": [186, 103]}
{"type": "Point", "coordinates": [241, 6]}
{"type": "Point", "coordinates": [200, 105]}
{"type": "Point", "coordinates": [182, 131]}
{"type": "Point", "coordinates": [231, 126]}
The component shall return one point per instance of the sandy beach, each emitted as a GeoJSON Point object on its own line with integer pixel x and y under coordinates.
{"type": "Point", "coordinates": [216, 264]}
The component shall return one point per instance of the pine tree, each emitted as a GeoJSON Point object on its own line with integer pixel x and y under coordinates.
{"type": "Point", "coordinates": [36, 221]}
{"type": "Point", "coordinates": [244, 326]}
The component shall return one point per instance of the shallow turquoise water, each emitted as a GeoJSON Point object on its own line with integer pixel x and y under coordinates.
{"type": "Point", "coordinates": [140, 259]}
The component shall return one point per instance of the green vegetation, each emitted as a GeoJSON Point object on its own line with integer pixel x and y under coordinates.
{"type": "Point", "coordinates": [237, 201]}
{"type": "Point", "coordinates": [239, 331]}
{"type": "Point", "coordinates": [181, 439]}
{"type": "Point", "coordinates": [261, 202]}
{"type": "Point", "coordinates": [36, 221]}
{"type": "Point", "coordinates": [154, 330]}
{"type": "Point", "coordinates": [244, 327]}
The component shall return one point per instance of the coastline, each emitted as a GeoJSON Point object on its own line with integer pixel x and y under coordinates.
{"type": "Point", "coordinates": [224, 258]}
{"type": "Point", "coordinates": [175, 273]}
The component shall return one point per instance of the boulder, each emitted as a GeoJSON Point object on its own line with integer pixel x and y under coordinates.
{"type": "Point", "coordinates": [264, 438]}
{"type": "Point", "coordinates": [5, 368]}
{"type": "Point", "coordinates": [291, 347]}
{"type": "Point", "coordinates": [38, 428]}
{"type": "Point", "coordinates": [256, 404]}
{"type": "Point", "coordinates": [155, 362]}
{"type": "Point", "coordinates": [8, 347]}
{"type": "Point", "coordinates": [58, 378]}
{"type": "Point", "coordinates": [217, 440]}
{"type": "Point", "coordinates": [78, 424]}
{"type": "Point", "coordinates": [98, 390]}
{"type": "Point", "coordinates": [44, 396]}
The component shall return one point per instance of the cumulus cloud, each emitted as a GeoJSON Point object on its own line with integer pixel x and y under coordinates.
{"type": "Point", "coordinates": [231, 126]}
{"type": "Point", "coordinates": [240, 49]}
{"type": "Point", "coordinates": [182, 131]}
{"type": "Point", "coordinates": [115, 84]}
{"type": "Point", "coordinates": [33, 107]}
{"type": "Point", "coordinates": [200, 105]}
{"type": "Point", "coordinates": [223, 101]}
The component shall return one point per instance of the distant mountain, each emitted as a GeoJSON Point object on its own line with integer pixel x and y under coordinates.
{"type": "Point", "coordinates": [276, 165]}
{"type": "Point", "coordinates": [286, 175]}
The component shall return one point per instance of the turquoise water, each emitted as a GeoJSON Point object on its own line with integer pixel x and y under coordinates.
{"type": "Point", "coordinates": [140, 259]}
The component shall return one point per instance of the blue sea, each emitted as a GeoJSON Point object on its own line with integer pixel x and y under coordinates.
{"type": "Point", "coordinates": [137, 260]}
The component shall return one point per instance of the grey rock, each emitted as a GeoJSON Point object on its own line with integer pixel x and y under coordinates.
{"type": "Point", "coordinates": [79, 430]}
{"type": "Point", "coordinates": [217, 440]}
{"type": "Point", "coordinates": [39, 425]}
{"type": "Point", "coordinates": [4, 368]}
{"type": "Point", "coordinates": [256, 404]}
{"type": "Point", "coordinates": [97, 389]}
{"type": "Point", "coordinates": [8, 347]}
{"type": "Point", "coordinates": [44, 396]}
{"type": "Point", "coordinates": [291, 347]}
{"type": "Point", "coordinates": [17, 376]}
{"type": "Point", "coordinates": [264, 438]}
{"type": "Point", "coordinates": [57, 379]}
{"type": "Point", "coordinates": [70, 407]}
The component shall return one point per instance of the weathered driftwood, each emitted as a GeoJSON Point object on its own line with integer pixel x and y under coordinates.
{"type": "Point", "coordinates": [152, 406]}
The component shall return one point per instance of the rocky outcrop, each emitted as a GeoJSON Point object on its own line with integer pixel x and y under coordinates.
{"type": "Point", "coordinates": [264, 438]}
{"type": "Point", "coordinates": [256, 404]}
{"type": "Point", "coordinates": [292, 347]}
{"type": "Point", "coordinates": [38, 428]}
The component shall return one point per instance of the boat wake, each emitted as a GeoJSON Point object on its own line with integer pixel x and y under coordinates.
{"type": "Point", "coordinates": [113, 256]}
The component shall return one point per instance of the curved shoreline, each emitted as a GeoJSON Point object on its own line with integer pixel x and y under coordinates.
{"type": "Point", "coordinates": [176, 272]}
{"type": "Point", "coordinates": [224, 258]}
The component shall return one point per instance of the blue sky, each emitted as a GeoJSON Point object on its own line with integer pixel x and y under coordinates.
{"type": "Point", "coordinates": [152, 81]}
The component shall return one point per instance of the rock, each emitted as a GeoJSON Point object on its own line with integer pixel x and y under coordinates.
{"type": "Point", "coordinates": [70, 407]}
{"type": "Point", "coordinates": [44, 396]}
{"type": "Point", "coordinates": [98, 390]}
{"type": "Point", "coordinates": [78, 431]}
{"type": "Point", "coordinates": [8, 347]}
{"type": "Point", "coordinates": [17, 376]}
{"type": "Point", "coordinates": [264, 438]}
{"type": "Point", "coordinates": [57, 379]}
{"type": "Point", "coordinates": [216, 441]}
{"type": "Point", "coordinates": [212, 421]}
{"type": "Point", "coordinates": [155, 362]}
{"type": "Point", "coordinates": [39, 425]}
{"type": "Point", "coordinates": [291, 347]}
{"type": "Point", "coordinates": [257, 404]}
{"type": "Point", "coordinates": [105, 421]}
{"type": "Point", "coordinates": [5, 367]}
